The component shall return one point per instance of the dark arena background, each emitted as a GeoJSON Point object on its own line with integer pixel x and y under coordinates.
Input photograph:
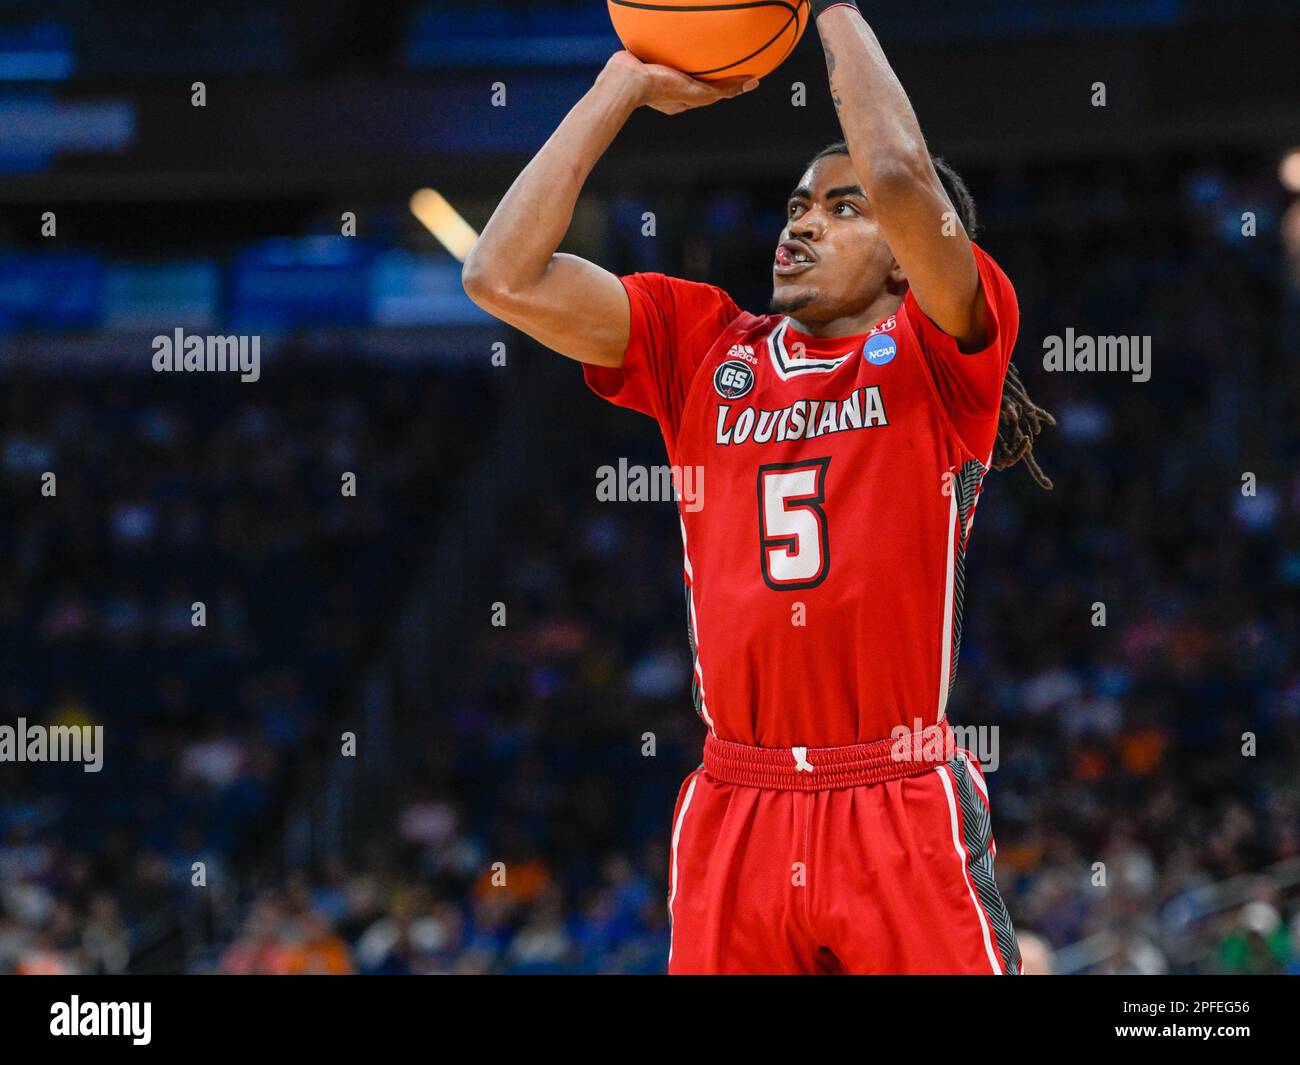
{"type": "Point", "coordinates": [385, 686]}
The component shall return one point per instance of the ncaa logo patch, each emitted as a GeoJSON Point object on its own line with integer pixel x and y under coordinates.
{"type": "Point", "coordinates": [880, 349]}
{"type": "Point", "coordinates": [733, 379]}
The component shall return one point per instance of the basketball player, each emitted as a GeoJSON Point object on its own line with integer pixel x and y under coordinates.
{"type": "Point", "coordinates": [833, 826]}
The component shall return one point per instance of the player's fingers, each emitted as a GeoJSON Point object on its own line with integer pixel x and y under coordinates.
{"type": "Point", "coordinates": [708, 92]}
{"type": "Point", "coordinates": [735, 86]}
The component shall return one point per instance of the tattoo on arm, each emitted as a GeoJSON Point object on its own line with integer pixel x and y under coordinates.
{"type": "Point", "coordinates": [830, 74]}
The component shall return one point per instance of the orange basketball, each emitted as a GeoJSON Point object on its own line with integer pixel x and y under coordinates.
{"type": "Point", "coordinates": [711, 40]}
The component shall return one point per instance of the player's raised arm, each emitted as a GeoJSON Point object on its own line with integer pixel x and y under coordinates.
{"type": "Point", "coordinates": [892, 162]}
{"type": "Point", "coordinates": [514, 270]}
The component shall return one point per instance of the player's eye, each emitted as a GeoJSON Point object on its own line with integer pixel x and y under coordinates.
{"type": "Point", "coordinates": [845, 203]}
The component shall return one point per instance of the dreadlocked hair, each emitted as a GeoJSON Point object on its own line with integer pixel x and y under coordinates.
{"type": "Point", "coordinates": [1020, 419]}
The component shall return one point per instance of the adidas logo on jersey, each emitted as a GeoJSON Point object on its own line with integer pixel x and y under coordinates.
{"type": "Point", "coordinates": [742, 351]}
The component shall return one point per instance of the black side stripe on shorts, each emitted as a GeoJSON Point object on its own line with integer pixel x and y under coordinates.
{"type": "Point", "coordinates": [977, 832]}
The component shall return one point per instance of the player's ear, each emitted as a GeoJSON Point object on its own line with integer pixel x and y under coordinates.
{"type": "Point", "coordinates": [895, 280]}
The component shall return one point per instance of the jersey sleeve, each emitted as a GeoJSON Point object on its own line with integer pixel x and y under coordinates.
{"type": "Point", "coordinates": [970, 384]}
{"type": "Point", "coordinates": [673, 325]}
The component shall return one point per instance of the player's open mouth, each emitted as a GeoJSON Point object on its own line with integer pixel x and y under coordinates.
{"type": "Point", "coordinates": [792, 258]}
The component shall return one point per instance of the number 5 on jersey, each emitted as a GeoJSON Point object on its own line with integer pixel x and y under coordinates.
{"type": "Point", "coordinates": [793, 545]}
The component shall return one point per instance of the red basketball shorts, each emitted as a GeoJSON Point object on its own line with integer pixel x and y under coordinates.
{"type": "Point", "coordinates": [837, 860]}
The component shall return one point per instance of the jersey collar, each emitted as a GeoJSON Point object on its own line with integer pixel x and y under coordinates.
{"type": "Point", "coordinates": [788, 366]}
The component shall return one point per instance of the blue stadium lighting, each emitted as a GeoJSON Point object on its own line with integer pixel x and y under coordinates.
{"type": "Point", "coordinates": [36, 53]}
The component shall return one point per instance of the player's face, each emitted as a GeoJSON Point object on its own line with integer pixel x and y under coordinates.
{"type": "Point", "coordinates": [832, 260]}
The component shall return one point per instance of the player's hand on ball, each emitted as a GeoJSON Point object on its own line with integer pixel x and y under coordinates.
{"type": "Point", "coordinates": [671, 91]}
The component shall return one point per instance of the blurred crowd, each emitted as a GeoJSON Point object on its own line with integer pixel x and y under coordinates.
{"type": "Point", "coordinates": [1145, 806]}
{"type": "Point", "coordinates": [201, 583]}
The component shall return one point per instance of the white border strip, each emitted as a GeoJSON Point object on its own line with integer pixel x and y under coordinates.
{"type": "Point", "coordinates": [677, 835]}
{"type": "Point", "coordinates": [945, 635]}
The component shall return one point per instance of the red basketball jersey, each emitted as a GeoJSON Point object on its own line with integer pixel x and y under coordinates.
{"type": "Point", "coordinates": [834, 484]}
